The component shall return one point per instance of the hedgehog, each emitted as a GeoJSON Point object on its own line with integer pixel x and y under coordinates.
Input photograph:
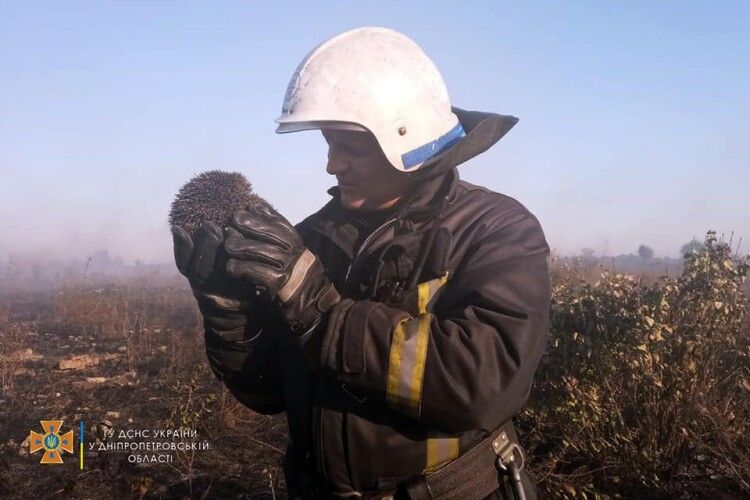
{"type": "Point", "coordinates": [211, 196]}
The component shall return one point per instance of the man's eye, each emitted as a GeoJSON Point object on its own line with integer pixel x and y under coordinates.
{"type": "Point", "coordinates": [350, 150]}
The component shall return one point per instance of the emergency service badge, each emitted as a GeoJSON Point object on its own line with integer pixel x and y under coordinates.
{"type": "Point", "coordinates": [51, 442]}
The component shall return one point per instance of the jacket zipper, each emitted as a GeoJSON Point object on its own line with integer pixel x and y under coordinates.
{"type": "Point", "coordinates": [364, 245]}
{"type": "Point", "coordinates": [360, 250]}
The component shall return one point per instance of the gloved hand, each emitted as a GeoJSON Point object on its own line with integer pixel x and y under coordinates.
{"type": "Point", "coordinates": [226, 304]}
{"type": "Point", "coordinates": [265, 250]}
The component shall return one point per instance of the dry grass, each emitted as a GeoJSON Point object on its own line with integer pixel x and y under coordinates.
{"type": "Point", "coordinates": [644, 392]}
{"type": "Point", "coordinates": [155, 377]}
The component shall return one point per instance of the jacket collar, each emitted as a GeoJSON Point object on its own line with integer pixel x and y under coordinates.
{"type": "Point", "coordinates": [482, 129]}
{"type": "Point", "coordinates": [435, 182]}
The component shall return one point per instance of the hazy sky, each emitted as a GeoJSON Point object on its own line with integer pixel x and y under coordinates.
{"type": "Point", "coordinates": [634, 116]}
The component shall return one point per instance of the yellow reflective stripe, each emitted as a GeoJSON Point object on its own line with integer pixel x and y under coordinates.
{"type": "Point", "coordinates": [394, 363]}
{"type": "Point", "coordinates": [427, 291]}
{"type": "Point", "coordinates": [432, 454]}
{"type": "Point", "coordinates": [440, 451]}
{"type": "Point", "coordinates": [420, 358]}
{"type": "Point", "coordinates": [408, 353]}
{"type": "Point", "coordinates": [423, 296]}
{"type": "Point", "coordinates": [408, 360]}
{"type": "Point", "coordinates": [406, 364]}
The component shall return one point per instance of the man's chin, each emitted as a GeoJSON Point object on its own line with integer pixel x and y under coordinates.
{"type": "Point", "coordinates": [351, 202]}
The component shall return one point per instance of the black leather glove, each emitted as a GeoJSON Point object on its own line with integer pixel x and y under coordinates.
{"type": "Point", "coordinates": [226, 304]}
{"type": "Point", "coordinates": [265, 250]}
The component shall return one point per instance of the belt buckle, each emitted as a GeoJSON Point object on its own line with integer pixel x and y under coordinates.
{"type": "Point", "coordinates": [506, 452]}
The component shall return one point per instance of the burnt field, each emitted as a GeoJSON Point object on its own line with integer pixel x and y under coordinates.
{"type": "Point", "coordinates": [123, 359]}
{"type": "Point", "coordinates": [644, 391]}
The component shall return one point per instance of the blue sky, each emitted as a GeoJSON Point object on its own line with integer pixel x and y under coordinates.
{"type": "Point", "coordinates": [634, 116]}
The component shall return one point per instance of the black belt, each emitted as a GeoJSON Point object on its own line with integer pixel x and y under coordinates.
{"type": "Point", "coordinates": [492, 464]}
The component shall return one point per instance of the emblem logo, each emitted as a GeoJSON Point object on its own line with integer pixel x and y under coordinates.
{"type": "Point", "coordinates": [51, 442]}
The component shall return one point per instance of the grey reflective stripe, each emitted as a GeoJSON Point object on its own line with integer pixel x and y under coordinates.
{"type": "Point", "coordinates": [427, 293]}
{"type": "Point", "coordinates": [224, 302]}
{"type": "Point", "coordinates": [299, 273]}
{"type": "Point", "coordinates": [408, 357]}
{"type": "Point", "coordinates": [408, 354]}
{"type": "Point", "coordinates": [406, 364]}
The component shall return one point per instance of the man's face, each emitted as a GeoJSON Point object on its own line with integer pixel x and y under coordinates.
{"type": "Point", "coordinates": [366, 179]}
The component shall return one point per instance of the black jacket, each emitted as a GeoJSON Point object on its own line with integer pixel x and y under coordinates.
{"type": "Point", "coordinates": [401, 379]}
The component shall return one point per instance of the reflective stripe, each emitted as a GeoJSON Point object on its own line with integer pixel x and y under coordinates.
{"type": "Point", "coordinates": [423, 153]}
{"type": "Point", "coordinates": [394, 364]}
{"type": "Point", "coordinates": [299, 272]}
{"type": "Point", "coordinates": [406, 364]}
{"type": "Point", "coordinates": [408, 353]}
{"type": "Point", "coordinates": [440, 451]}
{"type": "Point", "coordinates": [420, 358]}
{"type": "Point", "coordinates": [221, 302]}
{"type": "Point", "coordinates": [427, 292]}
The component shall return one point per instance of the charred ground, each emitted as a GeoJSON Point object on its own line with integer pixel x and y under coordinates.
{"type": "Point", "coordinates": [644, 391]}
{"type": "Point", "coordinates": [149, 373]}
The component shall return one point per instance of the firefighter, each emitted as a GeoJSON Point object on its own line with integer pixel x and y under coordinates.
{"type": "Point", "coordinates": [400, 326]}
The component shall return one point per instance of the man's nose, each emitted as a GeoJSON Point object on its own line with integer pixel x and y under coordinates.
{"type": "Point", "coordinates": [336, 163]}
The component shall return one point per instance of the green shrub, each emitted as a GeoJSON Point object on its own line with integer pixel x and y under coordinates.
{"type": "Point", "coordinates": [645, 389]}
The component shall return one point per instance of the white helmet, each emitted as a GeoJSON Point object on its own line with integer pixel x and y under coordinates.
{"type": "Point", "coordinates": [378, 80]}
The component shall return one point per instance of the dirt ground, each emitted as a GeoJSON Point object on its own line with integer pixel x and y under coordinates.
{"type": "Point", "coordinates": [150, 373]}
